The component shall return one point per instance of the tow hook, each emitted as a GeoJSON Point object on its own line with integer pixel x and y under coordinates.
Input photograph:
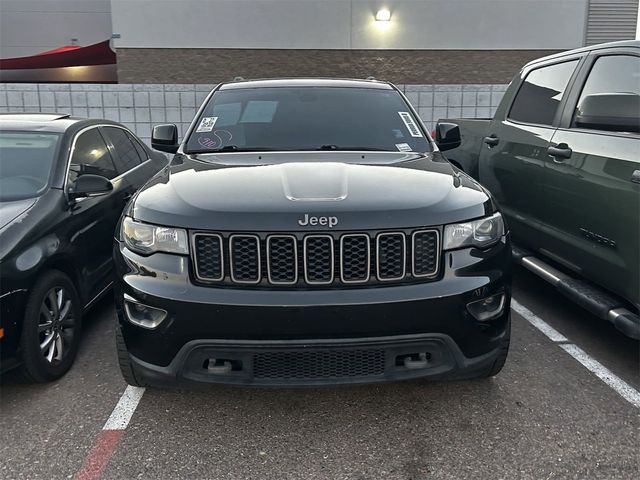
{"type": "Point", "coordinates": [416, 361]}
{"type": "Point", "coordinates": [219, 366]}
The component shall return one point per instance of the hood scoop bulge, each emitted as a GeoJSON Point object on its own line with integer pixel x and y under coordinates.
{"type": "Point", "coordinates": [304, 182]}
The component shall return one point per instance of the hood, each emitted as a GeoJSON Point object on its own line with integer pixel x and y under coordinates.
{"type": "Point", "coordinates": [10, 211]}
{"type": "Point", "coordinates": [389, 191]}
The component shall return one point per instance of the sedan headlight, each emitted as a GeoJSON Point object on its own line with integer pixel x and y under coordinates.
{"type": "Point", "coordinates": [477, 233]}
{"type": "Point", "coordinates": [144, 238]}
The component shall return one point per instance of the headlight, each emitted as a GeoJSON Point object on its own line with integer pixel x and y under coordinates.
{"type": "Point", "coordinates": [478, 233]}
{"type": "Point", "coordinates": [145, 239]}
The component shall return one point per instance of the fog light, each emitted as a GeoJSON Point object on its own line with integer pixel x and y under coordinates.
{"type": "Point", "coordinates": [487, 308]}
{"type": "Point", "coordinates": [143, 315]}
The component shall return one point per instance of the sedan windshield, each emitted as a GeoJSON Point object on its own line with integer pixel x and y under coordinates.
{"type": "Point", "coordinates": [307, 118]}
{"type": "Point", "coordinates": [26, 159]}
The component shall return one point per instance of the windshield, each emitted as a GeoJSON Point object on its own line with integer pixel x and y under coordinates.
{"type": "Point", "coordinates": [307, 118]}
{"type": "Point", "coordinates": [26, 159]}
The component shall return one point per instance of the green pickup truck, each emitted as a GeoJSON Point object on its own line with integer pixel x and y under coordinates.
{"type": "Point", "coordinates": [562, 158]}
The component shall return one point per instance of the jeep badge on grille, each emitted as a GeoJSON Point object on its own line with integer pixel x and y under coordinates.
{"type": "Point", "coordinates": [325, 221]}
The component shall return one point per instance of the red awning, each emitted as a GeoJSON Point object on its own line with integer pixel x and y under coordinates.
{"type": "Point", "coordinates": [67, 56]}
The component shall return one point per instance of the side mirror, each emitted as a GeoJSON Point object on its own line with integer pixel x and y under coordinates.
{"type": "Point", "coordinates": [90, 185]}
{"type": "Point", "coordinates": [447, 136]}
{"type": "Point", "coordinates": [616, 112]}
{"type": "Point", "coordinates": [165, 138]}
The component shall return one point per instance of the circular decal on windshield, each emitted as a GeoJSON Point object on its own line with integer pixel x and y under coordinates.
{"type": "Point", "coordinates": [216, 139]}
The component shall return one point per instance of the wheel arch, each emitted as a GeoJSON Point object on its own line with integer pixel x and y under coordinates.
{"type": "Point", "coordinates": [66, 265]}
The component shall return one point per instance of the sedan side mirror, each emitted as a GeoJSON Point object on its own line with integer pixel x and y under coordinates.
{"type": "Point", "coordinates": [447, 136]}
{"type": "Point", "coordinates": [165, 138]}
{"type": "Point", "coordinates": [616, 112]}
{"type": "Point", "coordinates": [90, 185]}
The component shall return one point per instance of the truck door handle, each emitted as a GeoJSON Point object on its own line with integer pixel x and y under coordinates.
{"type": "Point", "coordinates": [561, 151]}
{"type": "Point", "coordinates": [492, 140]}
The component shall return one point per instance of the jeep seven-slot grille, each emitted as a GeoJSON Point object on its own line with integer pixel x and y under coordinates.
{"type": "Point", "coordinates": [305, 260]}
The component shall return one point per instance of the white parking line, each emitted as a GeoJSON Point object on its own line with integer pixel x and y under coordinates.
{"type": "Point", "coordinates": [537, 322]}
{"type": "Point", "coordinates": [123, 411]}
{"type": "Point", "coordinates": [625, 390]}
{"type": "Point", "coordinates": [621, 387]}
{"type": "Point", "coordinates": [106, 443]}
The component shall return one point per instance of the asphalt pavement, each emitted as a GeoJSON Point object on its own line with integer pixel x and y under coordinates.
{"type": "Point", "coordinates": [545, 415]}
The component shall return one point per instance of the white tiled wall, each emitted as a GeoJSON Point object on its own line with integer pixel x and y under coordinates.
{"type": "Point", "coordinates": [453, 101]}
{"type": "Point", "coordinates": [139, 106]}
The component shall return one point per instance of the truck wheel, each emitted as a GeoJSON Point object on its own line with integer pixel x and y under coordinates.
{"type": "Point", "coordinates": [51, 329]}
{"type": "Point", "coordinates": [126, 368]}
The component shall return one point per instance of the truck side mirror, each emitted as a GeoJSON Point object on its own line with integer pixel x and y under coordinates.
{"type": "Point", "coordinates": [165, 138]}
{"type": "Point", "coordinates": [89, 185]}
{"type": "Point", "coordinates": [616, 112]}
{"type": "Point", "coordinates": [447, 136]}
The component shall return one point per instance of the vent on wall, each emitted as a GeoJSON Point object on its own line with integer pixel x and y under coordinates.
{"type": "Point", "coordinates": [611, 20]}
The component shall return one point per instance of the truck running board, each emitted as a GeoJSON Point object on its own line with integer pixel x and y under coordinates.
{"type": "Point", "coordinates": [595, 300]}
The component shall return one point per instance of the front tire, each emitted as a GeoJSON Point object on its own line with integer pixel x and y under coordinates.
{"type": "Point", "coordinates": [124, 361]}
{"type": "Point", "coordinates": [501, 359]}
{"type": "Point", "coordinates": [51, 328]}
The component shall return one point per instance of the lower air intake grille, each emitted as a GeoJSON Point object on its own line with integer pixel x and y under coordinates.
{"type": "Point", "coordinates": [319, 364]}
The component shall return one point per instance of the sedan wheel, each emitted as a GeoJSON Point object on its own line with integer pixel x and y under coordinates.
{"type": "Point", "coordinates": [56, 327]}
{"type": "Point", "coordinates": [51, 328]}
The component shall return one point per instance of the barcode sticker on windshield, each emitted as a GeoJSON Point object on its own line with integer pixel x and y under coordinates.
{"type": "Point", "coordinates": [403, 147]}
{"type": "Point", "coordinates": [406, 117]}
{"type": "Point", "coordinates": [206, 124]}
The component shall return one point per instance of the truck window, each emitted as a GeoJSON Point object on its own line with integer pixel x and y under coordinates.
{"type": "Point", "coordinates": [541, 92]}
{"type": "Point", "coordinates": [613, 74]}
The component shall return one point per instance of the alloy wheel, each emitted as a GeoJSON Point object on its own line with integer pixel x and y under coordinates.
{"type": "Point", "coordinates": [56, 325]}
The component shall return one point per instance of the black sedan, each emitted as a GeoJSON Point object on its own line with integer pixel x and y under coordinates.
{"type": "Point", "coordinates": [63, 185]}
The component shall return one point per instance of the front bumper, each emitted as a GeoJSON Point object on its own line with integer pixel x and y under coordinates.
{"type": "Point", "coordinates": [313, 362]}
{"type": "Point", "coordinates": [251, 336]}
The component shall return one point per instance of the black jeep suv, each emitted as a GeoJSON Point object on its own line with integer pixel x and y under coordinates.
{"type": "Point", "coordinates": [309, 232]}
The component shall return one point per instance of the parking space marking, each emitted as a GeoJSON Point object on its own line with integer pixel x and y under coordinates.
{"type": "Point", "coordinates": [533, 319]}
{"type": "Point", "coordinates": [625, 390]}
{"type": "Point", "coordinates": [99, 456]}
{"type": "Point", "coordinates": [112, 431]}
{"type": "Point", "coordinates": [618, 385]}
{"type": "Point", "coordinates": [123, 412]}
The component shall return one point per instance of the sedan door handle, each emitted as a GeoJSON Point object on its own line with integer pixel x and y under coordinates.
{"type": "Point", "coordinates": [561, 151]}
{"type": "Point", "coordinates": [492, 140]}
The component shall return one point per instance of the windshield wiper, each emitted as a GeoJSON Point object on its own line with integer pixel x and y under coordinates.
{"type": "Point", "coordinates": [352, 149]}
{"type": "Point", "coordinates": [233, 148]}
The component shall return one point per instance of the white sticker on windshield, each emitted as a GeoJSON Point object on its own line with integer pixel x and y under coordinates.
{"type": "Point", "coordinates": [403, 147]}
{"type": "Point", "coordinates": [406, 117]}
{"type": "Point", "coordinates": [206, 124]}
